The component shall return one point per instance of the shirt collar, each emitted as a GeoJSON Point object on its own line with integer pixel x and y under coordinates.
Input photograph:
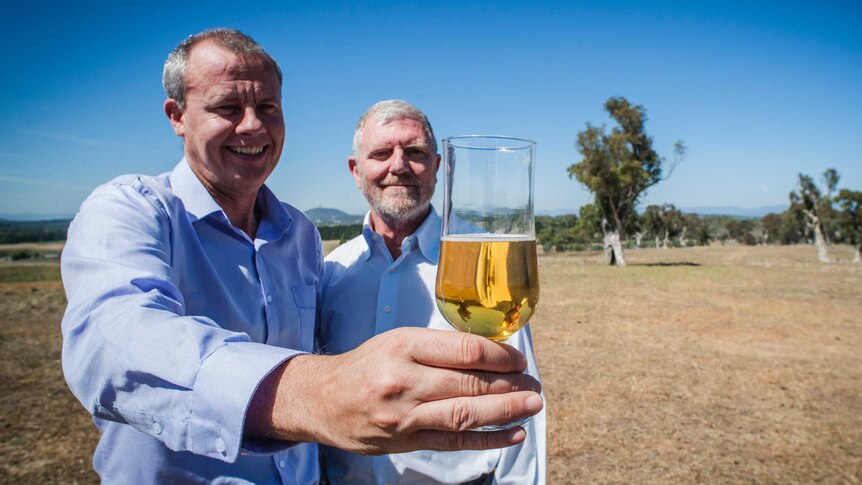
{"type": "Point", "coordinates": [273, 215]}
{"type": "Point", "coordinates": [427, 236]}
{"type": "Point", "coordinates": [196, 198]}
{"type": "Point", "coordinates": [368, 235]}
{"type": "Point", "coordinates": [199, 203]}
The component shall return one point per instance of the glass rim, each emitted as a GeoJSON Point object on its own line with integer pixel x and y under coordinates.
{"type": "Point", "coordinates": [453, 141]}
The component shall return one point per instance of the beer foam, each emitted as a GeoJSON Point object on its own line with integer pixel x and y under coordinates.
{"type": "Point", "coordinates": [486, 237]}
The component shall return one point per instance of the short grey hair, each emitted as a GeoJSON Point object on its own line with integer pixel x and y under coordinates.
{"type": "Point", "coordinates": [174, 73]}
{"type": "Point", "coordinates": [391, 110]}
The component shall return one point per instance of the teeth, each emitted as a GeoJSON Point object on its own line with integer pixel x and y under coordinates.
{"type": "Point", "coordinates": [247, 150]}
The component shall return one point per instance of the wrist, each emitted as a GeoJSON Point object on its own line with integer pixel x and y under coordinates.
{"type": "Point", "coordinates": [288, 403]}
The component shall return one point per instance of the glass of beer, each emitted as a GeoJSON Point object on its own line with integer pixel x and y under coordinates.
{"type": "Point", "coordinates": [487, 275]}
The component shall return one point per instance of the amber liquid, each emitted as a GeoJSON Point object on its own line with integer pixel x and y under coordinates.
{"type": "Point", "coordinates": [486, 284]}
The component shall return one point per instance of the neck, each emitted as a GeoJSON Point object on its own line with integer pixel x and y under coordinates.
{"type": "Point", "coordinates": [394, 231]}
{"type": "Point", "coordinates": [240, 212]}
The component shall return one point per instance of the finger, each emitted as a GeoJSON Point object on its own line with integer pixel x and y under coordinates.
{"type": "Point", "coordinates": [436, 383]}
{"type": "Point", "coordinates": [457, 350]}
{"type": "Point", "coordinates": [468, 440]}
{"type": "Point", "coordinates": [465, 413]}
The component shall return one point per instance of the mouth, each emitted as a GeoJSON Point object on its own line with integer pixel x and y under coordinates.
{"type": "Point", "coordinates": [247, 151]}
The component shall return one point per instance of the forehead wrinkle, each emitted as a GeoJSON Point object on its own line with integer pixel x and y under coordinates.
{"type": "Point", "coordinates": [225, 77]}
{"type": "Point", "coordinates": [239, 90]}
{"type": "Point", "coordinates": [392, 141]}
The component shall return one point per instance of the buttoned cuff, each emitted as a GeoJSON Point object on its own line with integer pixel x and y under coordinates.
{"type": "Point", "coordinates": [223, 390]}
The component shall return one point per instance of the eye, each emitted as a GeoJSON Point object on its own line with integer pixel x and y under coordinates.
{"type": "Point", "coordinates": [268, 108]}
{"type": "Point", "coordinates": [415, 152]}
{"type": "Point", "coordinates": [380, 155]}
{"type": "Point", "coordinates": [227, 109]}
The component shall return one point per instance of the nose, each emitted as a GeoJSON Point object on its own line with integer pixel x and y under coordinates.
{"type": "Point", "coordinates": [399, 162]}
{"type": "Point", "coordinates": [250, 123]}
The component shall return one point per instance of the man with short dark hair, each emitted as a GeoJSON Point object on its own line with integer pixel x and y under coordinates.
{"type": "Point", "coordinates": [384, 279]}
{"type": "Point", "coordinates": [192, 312]}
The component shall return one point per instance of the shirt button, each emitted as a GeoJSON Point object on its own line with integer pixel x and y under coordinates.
{"type": "Point", "coordinates": [269, 298]}
{"type": "Point", "coordinates": [387, 309]}
{"type": "Point", "coordinates": [219, 445]}
{"type": "Point", "coordinates": [281, 463]}
{"type": "Point", "coordinates": [157, 428]}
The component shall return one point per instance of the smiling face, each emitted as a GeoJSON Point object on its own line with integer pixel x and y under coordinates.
{"type": "Point", "coordinates": [396, 169]}
{"type": "Point", "coordinates": [232, 123]}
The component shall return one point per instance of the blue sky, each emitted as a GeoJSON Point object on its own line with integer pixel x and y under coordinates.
{"type": "Point", "coordinates": [759, 91]}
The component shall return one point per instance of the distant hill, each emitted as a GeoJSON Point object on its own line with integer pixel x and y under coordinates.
{"type": "Point", "coordinates": [732, 211]}
{"type": "Point", "coordinates": [323, 216]}
{"type": "Point", "coordinates": [36, 217]}
{"type": "Point", "coordinates": [753, 212]}
{"type": "Point", "coordinates": [556, 212]}
{"type": "Point", "coordinates": [32, 231]}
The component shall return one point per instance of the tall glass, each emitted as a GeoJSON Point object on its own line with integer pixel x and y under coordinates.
{"type": "Point", "coordinates": [487, 275]}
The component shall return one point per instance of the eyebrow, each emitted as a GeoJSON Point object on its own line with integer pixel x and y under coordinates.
{"type": "Point", "coordinates": [231, 96]}
{"type": "Point", "coordinates": [425, 146]}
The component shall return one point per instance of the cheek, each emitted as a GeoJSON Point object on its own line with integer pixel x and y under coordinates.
{"type": "Point", "coordinates": [425, 173]}
{"type": "Point", "coordinates": [375, 173]}
{"type": "Point", "coordinates": [276, 130]}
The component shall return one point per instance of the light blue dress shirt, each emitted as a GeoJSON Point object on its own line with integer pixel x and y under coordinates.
{"type": "Point", "coordinates": [174, 318]}
{"type": "Point", "coordinates": [367, 293]}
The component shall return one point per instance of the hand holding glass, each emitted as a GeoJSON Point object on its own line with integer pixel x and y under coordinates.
{"type": "Point", "coordinates": [487, 275]}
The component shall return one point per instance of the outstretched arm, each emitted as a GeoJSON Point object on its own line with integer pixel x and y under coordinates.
{"type": "Point", "coordinates": [403, 390]}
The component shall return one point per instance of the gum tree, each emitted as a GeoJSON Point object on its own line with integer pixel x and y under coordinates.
{"type": "Point", "coordinates": [850, 220]}
{"type": "Point", "coordinates": [812, 205]}
{"type": "Point", "coordinates": [618, 167]}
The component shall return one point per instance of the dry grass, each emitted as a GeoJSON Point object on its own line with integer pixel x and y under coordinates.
{"type": "Point", "coordinates": [700, 365]}
{"type": "Point", "coordinates": [45, 435]}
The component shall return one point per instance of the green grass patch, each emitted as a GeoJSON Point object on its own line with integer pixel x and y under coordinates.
{"type": "Point", "coordinates": [29, 273]}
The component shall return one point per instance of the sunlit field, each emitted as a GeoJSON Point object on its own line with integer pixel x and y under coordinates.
{"type": "Point", "coordinates": [725, 364]}
{"type": "Point", "coordinates": [702, 365]}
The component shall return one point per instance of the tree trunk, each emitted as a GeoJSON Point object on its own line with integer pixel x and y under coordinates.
{"type": "Point", "coordinates": [682, 236]}
{"type": "Point", "coordinates": [857, 255]}
{"type": "Point", "coordinates": [638, 236]}
{"type": "Point", "coordinates": [657, 241]}
{"type": "Point", "coordinates": [666, 237]}
{"type": "Point", "coordinates": [820, 242]}
{"type": "Point", "coordinates": [613, 246]}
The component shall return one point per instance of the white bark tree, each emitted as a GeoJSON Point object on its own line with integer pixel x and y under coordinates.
{"type": "Point", "coordinates": [812, 204]}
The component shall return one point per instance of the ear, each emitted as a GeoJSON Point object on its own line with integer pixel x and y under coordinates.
{"type": "Point", "coordinates": [175, 116]}
{"type": "Point", "coordinates": [353, 165]}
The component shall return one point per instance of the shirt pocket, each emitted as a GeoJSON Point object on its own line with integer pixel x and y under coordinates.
{"type": "Point", "coordinates": [305, 299]}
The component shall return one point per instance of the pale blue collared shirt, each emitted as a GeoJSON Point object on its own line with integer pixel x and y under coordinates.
{"type": "Point", "coordinates": [175, 316]}
{"type": "Point", "coordinates": [367, 293]}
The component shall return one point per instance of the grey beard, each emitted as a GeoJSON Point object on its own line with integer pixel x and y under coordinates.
{"type": "Point", "coordinates": [399, 212]}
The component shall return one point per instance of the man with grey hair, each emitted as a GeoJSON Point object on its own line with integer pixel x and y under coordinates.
{"type": "Point", "coordinates": [193, 299]}
{"type": "Point", "coordinates": [384, 279]}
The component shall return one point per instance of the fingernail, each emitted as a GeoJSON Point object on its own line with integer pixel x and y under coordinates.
{"type": "Point", "coordinates": [534, 404]}
{"type": "Point", "coordinates": [517, 434]}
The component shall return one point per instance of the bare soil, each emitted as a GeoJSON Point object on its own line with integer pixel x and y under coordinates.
{"type": "Point", "coordinates": [698, 365]}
